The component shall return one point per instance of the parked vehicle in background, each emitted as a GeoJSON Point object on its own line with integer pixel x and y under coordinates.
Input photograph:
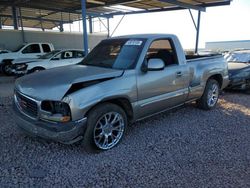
{"type": "Point", "coordinates": [56, 58]}
{"type": "Point", "coordinates": [209, 52]}
{"type": "Point", "coordinates": [30, 50]}
{"type": "Point", "coordinates": [239, 69]}
{"type": "Point", "coordinates": [4, 51]}
{"type": "Point", "coordinates": [122, 80]}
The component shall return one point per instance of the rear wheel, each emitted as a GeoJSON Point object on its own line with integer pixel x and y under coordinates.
{"type": "Point", "coordinates": [210, 96]}
{"type": "Point", "coordinates": [106, 126]}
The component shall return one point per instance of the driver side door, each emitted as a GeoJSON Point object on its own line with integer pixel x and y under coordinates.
{"type": "Point", "coordinates": [162, 89]}
{"type": "Point", "coordinates": [31, 51]}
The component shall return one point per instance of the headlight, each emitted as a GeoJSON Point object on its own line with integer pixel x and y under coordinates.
{"type": "Point", "coordinates": [21, 67]}
{"type": "Point", "coordinates": [55, 111]}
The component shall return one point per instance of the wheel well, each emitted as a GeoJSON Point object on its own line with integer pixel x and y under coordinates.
{"type": "Point", "coordinates": [41, 68]}
{"type": "Point", "coordinates": [121, 102]}
{"type": "Point", "coordinates": [7, 60]}
{"type": "Point", "coordinates": [218, 78]}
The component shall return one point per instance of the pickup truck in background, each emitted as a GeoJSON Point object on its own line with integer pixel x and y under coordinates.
{"type": "Point", "coordinates": [30, 50]}
{"type": "Point", "coordinates": [122, 80]}
{"type": "Point", "coordinates": [56, 58]}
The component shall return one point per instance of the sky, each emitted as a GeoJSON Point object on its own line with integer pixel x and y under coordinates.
{"type": "Point", "coordinates": [217, 24]}
{"type": "Point", "coordinates": [222, 23]}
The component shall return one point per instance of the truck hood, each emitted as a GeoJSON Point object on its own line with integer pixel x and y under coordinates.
{"type": "Point", "coordinates": [26, 60]}
{"type": "Point", "coordinates": [11, 55]}
{"type": "Point", "coordinates": [53, 84]}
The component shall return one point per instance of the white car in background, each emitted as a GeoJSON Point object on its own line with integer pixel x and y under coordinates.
{"type": "Point", "coordinates": [30, 50]}
{"type": "Point", "coordinates": [56, 58]}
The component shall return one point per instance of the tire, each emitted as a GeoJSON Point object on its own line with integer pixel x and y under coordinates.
{"type": "Point", "coordinates": [210, 96]}
{"type": "Point", "coordinates": [101, 134]}
{"type": "Point", "coordinates": [6, 68]}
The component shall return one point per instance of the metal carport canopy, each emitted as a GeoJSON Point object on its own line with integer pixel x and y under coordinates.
{"type": "Point", "coordinates": [50, 13]}
{"type": "Point", "coordinates": [147, 6]}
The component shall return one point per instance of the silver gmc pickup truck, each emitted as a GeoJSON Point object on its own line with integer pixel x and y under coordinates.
{"type": "Point", "coordinates": [122, 80]}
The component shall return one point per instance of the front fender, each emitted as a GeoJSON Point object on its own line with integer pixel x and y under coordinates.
{"type": "Point", "coordinates": [83, 100]}
{"type": "Point", "coordinates": [79, 106]}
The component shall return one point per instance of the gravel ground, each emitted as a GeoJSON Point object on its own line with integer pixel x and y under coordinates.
{"type": "Point", "coordinates": [183, 148]}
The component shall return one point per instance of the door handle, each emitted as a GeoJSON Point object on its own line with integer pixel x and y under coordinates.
{"type": "Point", "coordinates": [179, 74]}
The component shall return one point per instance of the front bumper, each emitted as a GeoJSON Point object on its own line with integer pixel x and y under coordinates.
{"type": "Point", "coordinates": [19, 72]}
{"type": "Point", "coordinates": [66, 133]}
{"type": "Point", "coordinates": [16, 71]}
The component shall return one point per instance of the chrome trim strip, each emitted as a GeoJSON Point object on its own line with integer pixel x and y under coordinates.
{"type": "Point", "coordinates": [168, 109]}
{"type": "Point", "coordinates": [167, 96]}
{"type": "Point", "coordinates": [81, 120]}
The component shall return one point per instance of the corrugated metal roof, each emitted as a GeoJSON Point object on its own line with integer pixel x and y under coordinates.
{"type": "Point", "coordinates": [48, 14]}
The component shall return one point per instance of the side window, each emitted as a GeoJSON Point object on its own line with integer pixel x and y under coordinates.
{"type": "Point", "coordinates": [46, 48]}
{"type": "Point", "coordinates": [162, 49]}
{"type": "Point", "coordinates": [79, 54]}
{"type": "Point", "coordinates": [67, 55]}
{"type": "Point", "coordinates": [58, 56]}
{"type": "Point", "coordinates": [33, 48]}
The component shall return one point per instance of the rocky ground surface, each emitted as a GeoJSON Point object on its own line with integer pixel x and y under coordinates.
{"type": "Point", "coordinates": [187, 147]}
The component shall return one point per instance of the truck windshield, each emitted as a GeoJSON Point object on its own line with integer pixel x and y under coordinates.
{"type": "Point", "coordinates": [49, 55]}
{"type": "Point", "coordinates": [19, 48]}
{"type": "Point", "coordinates": [115, 53]}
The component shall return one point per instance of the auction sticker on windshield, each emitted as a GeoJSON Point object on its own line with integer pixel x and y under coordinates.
{"type": "Point", "coordinates": [134, 43]}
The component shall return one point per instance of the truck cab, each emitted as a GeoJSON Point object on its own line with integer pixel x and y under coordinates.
{"type": "Point", "coordinates": [122, 80]}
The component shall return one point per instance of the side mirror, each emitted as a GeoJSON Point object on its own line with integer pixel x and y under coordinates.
{"type": "Point", "coordinates": [155, 65]}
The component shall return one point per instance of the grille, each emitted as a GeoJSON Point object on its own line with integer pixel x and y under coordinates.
{"type": "Point", "coordinates": [27, 105]}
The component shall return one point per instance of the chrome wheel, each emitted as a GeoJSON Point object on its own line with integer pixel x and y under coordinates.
{"type": "Point", "coordinates": [213, 95]}
{"type": "Point", "coordinates": [108, 130]}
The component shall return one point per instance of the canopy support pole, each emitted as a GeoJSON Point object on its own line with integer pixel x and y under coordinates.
{"type": "Point", "coordinates": [15, 18]}
{"type": "Point", "coordinates": [84, 23]}
{"type": "Point", "coordinates": [90, 24]}
{"type": "Point", "coordinates": [1, 26]}
{"type": "Point", "coordinates": [108, 27]}
{"type": "Point", "coordinates": [21, 22]}
{"type": "Point", "coordinates": [117, 25]}
{"type": "Point", "coordinates": [197, 32]}
{"type": "Point", "coordinates": [61, 24]}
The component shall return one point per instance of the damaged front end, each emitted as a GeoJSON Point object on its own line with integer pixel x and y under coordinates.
{"type": "Point", "coordinates": [240, 80]}
{"type": "Point", "coordinates": [43, 102]}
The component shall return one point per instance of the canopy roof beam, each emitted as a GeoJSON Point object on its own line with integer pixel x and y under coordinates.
{"type": "Point", "coordinates": [185, 5]}
{"type": "Point", "coordinates": [33, 18]}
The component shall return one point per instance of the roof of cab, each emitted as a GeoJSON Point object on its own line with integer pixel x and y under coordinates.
{"type": "Point", "coordinates": [146, 36]}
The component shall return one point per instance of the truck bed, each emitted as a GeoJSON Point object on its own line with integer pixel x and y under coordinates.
{"type": "Point", "coordinates": [191, 58]}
